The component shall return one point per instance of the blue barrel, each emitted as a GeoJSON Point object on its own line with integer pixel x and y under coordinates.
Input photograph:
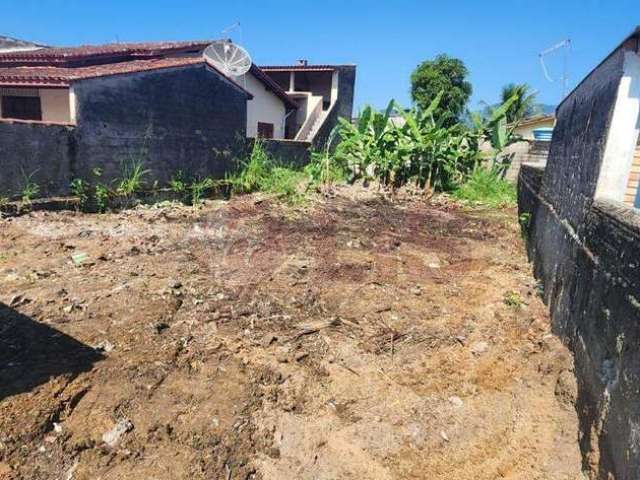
{"type": "Point", "coordinates": [543, 134]}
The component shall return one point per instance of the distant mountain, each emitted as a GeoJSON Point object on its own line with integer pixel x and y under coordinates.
{"type": "Point", "coordinates": [546, 109]}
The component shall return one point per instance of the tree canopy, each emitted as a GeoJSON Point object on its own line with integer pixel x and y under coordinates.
{"type": "Point", "coordinates": [442, 74]}
{"type": "Point", "coordinates": [525, 102]}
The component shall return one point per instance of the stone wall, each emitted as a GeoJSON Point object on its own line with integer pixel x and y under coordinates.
{"type": "Point", "coordinates": [46, 153]}
{"type": "Point", "coordinates": [586, 253]}
{"type": "Point", "coordinates": [530, 152]}
{"type": "Point", "coordinates": [288, 152]}
{"type": "Point", "coordinates": [187, 119]}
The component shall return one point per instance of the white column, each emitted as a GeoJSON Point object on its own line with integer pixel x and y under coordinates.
{"type": "Point", "coordinates": [623, 133]}
{"type": "Point", "coordinates": [292, 81]}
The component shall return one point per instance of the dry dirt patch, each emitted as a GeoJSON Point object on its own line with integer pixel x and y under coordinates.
{"type": "Point", "coordinates": [352, 338]}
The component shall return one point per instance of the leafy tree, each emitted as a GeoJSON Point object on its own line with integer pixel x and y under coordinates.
{"type": "Point", "coordinates": [443, 74]}
{"type": "Point", "coordinates": [524, 104]}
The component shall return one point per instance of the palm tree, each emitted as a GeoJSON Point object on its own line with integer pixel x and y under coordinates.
{"type": "Point", "coordinates": [525, 103]}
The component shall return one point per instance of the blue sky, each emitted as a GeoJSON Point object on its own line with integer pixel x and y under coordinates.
{"type": "Point", "coordinates": [498, 40]}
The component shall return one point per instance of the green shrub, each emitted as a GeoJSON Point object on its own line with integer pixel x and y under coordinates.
{"type": "Point", "coordinates": [132, 180]}
{"type": "Point", "coordinates": [178, 184]}
{"type": "Point", "coordinates": [101, 195]}
{"type": "Point", "coordinates": [259, 172]}
{"type": "Point", "coordinates": [80, 189]}
{"type": "Point", "coordinates": [198, 188]}
{"type": "Point", "coordinates": [28, 188]}
{"type": "Point", "coordinates": [253, 171]}
{"type": "Point", "coordinates": [485, 185]}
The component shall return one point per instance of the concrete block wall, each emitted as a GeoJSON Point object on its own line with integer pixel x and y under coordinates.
{"type": "Point", "coordinates": [46, 153]}
{"type": "Point", "coordinates": [586, 253]}
{"type": "Point", "coordinates": [187, 119]}
{"type": "Point", "coordinates": [529, 152]}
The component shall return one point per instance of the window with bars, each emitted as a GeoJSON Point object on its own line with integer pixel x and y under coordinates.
{"type": "Point", "coordinates": [21, 107]}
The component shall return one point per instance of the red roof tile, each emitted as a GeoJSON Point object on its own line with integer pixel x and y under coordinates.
{"type": "Point", "coordinates": [64, 56]}
{"type": "Point", "coordinates": [63, 77]}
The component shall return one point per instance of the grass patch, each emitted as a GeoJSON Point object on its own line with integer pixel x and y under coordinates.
{"type": "Point", "coordinates": [487, 187]}
{"type": "Point", "coordinates": [260, 173]}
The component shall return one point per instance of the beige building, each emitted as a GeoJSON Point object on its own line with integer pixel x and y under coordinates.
{"type": "Point", "coordinates": [528, 125]}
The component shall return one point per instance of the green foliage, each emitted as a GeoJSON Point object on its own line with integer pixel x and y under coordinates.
{"type": "Point", "coordinates": [80, 189]}
{"type": "Point", "coordinates": [178, 184]}
{"type": "Point", "coordinates": [322, 170]}
{"type": "Point", "coordinates": [132, 179]}
{"type": "Point", "coordinates": [253, 172]}
{"type": "Point", "coordinates": [524, 104]}
{"type": "Point", "coordinates": [445, 76]}
{"type": "Point", "coordinates": [422, 151]}
{"type": "Point", "coordinates": [524, 220]}
{"type": "Point", "coordinates": [486, 186]}
{"type": "Point", "coordinates": [101, 196]}
{"type": "Point", "coordinates": [28, 189]}
{"type": "Point", "coordinates": [198, 188]}
{"type": "Point", "coordinates": [513, 300]}
{"type": "Point", "coordinates": [261, 173]}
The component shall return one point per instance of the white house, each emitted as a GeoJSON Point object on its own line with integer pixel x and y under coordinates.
{"type": "Point", "coordinates": [270, 106]}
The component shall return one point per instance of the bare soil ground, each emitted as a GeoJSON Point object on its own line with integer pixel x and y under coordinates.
{"type": "Point", "coordinates": [354, 338]}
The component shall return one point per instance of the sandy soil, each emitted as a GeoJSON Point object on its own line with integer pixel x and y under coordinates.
{"type": "Point", "coordinates": [354, 338]}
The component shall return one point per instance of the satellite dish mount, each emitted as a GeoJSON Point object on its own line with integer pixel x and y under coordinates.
{"type": "Point", "coordinates": [229, 58]}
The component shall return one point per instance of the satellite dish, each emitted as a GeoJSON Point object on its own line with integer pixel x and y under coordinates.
{"type": "Point", "coordinates": [229, 58]}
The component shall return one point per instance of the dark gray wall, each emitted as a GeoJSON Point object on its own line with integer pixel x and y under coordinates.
{"type": "Point", "coordinates": [46, 151]}
{"type": "Point", "coordinates": [287, 152]}
{"type": "Point", "coordinates": [344, 104]}
{"type": "Point", "coordinates": [187, 119]}
{"type": "Point", "coordinates": [587, 255]}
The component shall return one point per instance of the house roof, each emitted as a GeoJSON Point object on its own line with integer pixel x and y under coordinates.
{"type": "Point", "coordinates": [535, 119]}
{"type": "Point", "coordinates": [51, 76]}
{"type": "Point", "coordinates": [272, 86]}
{"type": "Point", "coordinates": [91, 54]}
{"type": "Point", "coordinates": [299, 68]}
{"type": "Point", "coordinates": [10, 44]}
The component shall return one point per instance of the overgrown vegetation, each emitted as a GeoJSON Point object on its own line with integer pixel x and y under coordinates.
{"type": "Point", "coordinates": [260, 172]}
{"type": "Point", "coordinates": [486, 186]}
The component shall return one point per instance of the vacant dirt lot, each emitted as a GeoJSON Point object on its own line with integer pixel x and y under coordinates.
{"type": "Point", "coordinates": [354, 338]}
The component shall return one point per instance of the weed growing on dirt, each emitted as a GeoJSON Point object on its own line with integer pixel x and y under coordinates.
{"type": "Point", "coordinates": [322, 170]}
{"type": "Point", "coordinates": [513, 300]}
{"type": "Point", "coordinates": [253, 172]}
{"type": "Point", "coordinates": [178, 184]}
{"type": "Point", "coordinates": [80, 189]}
{"type": "Point", "coordinates": [132, 180]}
{"type": "Point", "coordinates": [487, 187]}
{"type": "Point", "coordinates": [101, 197]}
{"type": "Point", "coordinates": [29, 189]}
{"type": "Point", "coordinates": [261, 173]}
{"type": "Point", "coordinates": [198, 189]}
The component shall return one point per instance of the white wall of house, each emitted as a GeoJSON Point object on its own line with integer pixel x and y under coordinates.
{"type": "Point", "coordinates": [265, 107]}
{"type": "Point", "coordinates": [55, 105]}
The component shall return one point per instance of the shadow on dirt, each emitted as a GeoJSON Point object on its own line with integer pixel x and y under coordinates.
{"type": "Point", "coordinates": [31, 353]}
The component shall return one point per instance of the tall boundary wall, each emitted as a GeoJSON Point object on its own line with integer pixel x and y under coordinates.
{"type": "Point", "coordinates": [585, 248]}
